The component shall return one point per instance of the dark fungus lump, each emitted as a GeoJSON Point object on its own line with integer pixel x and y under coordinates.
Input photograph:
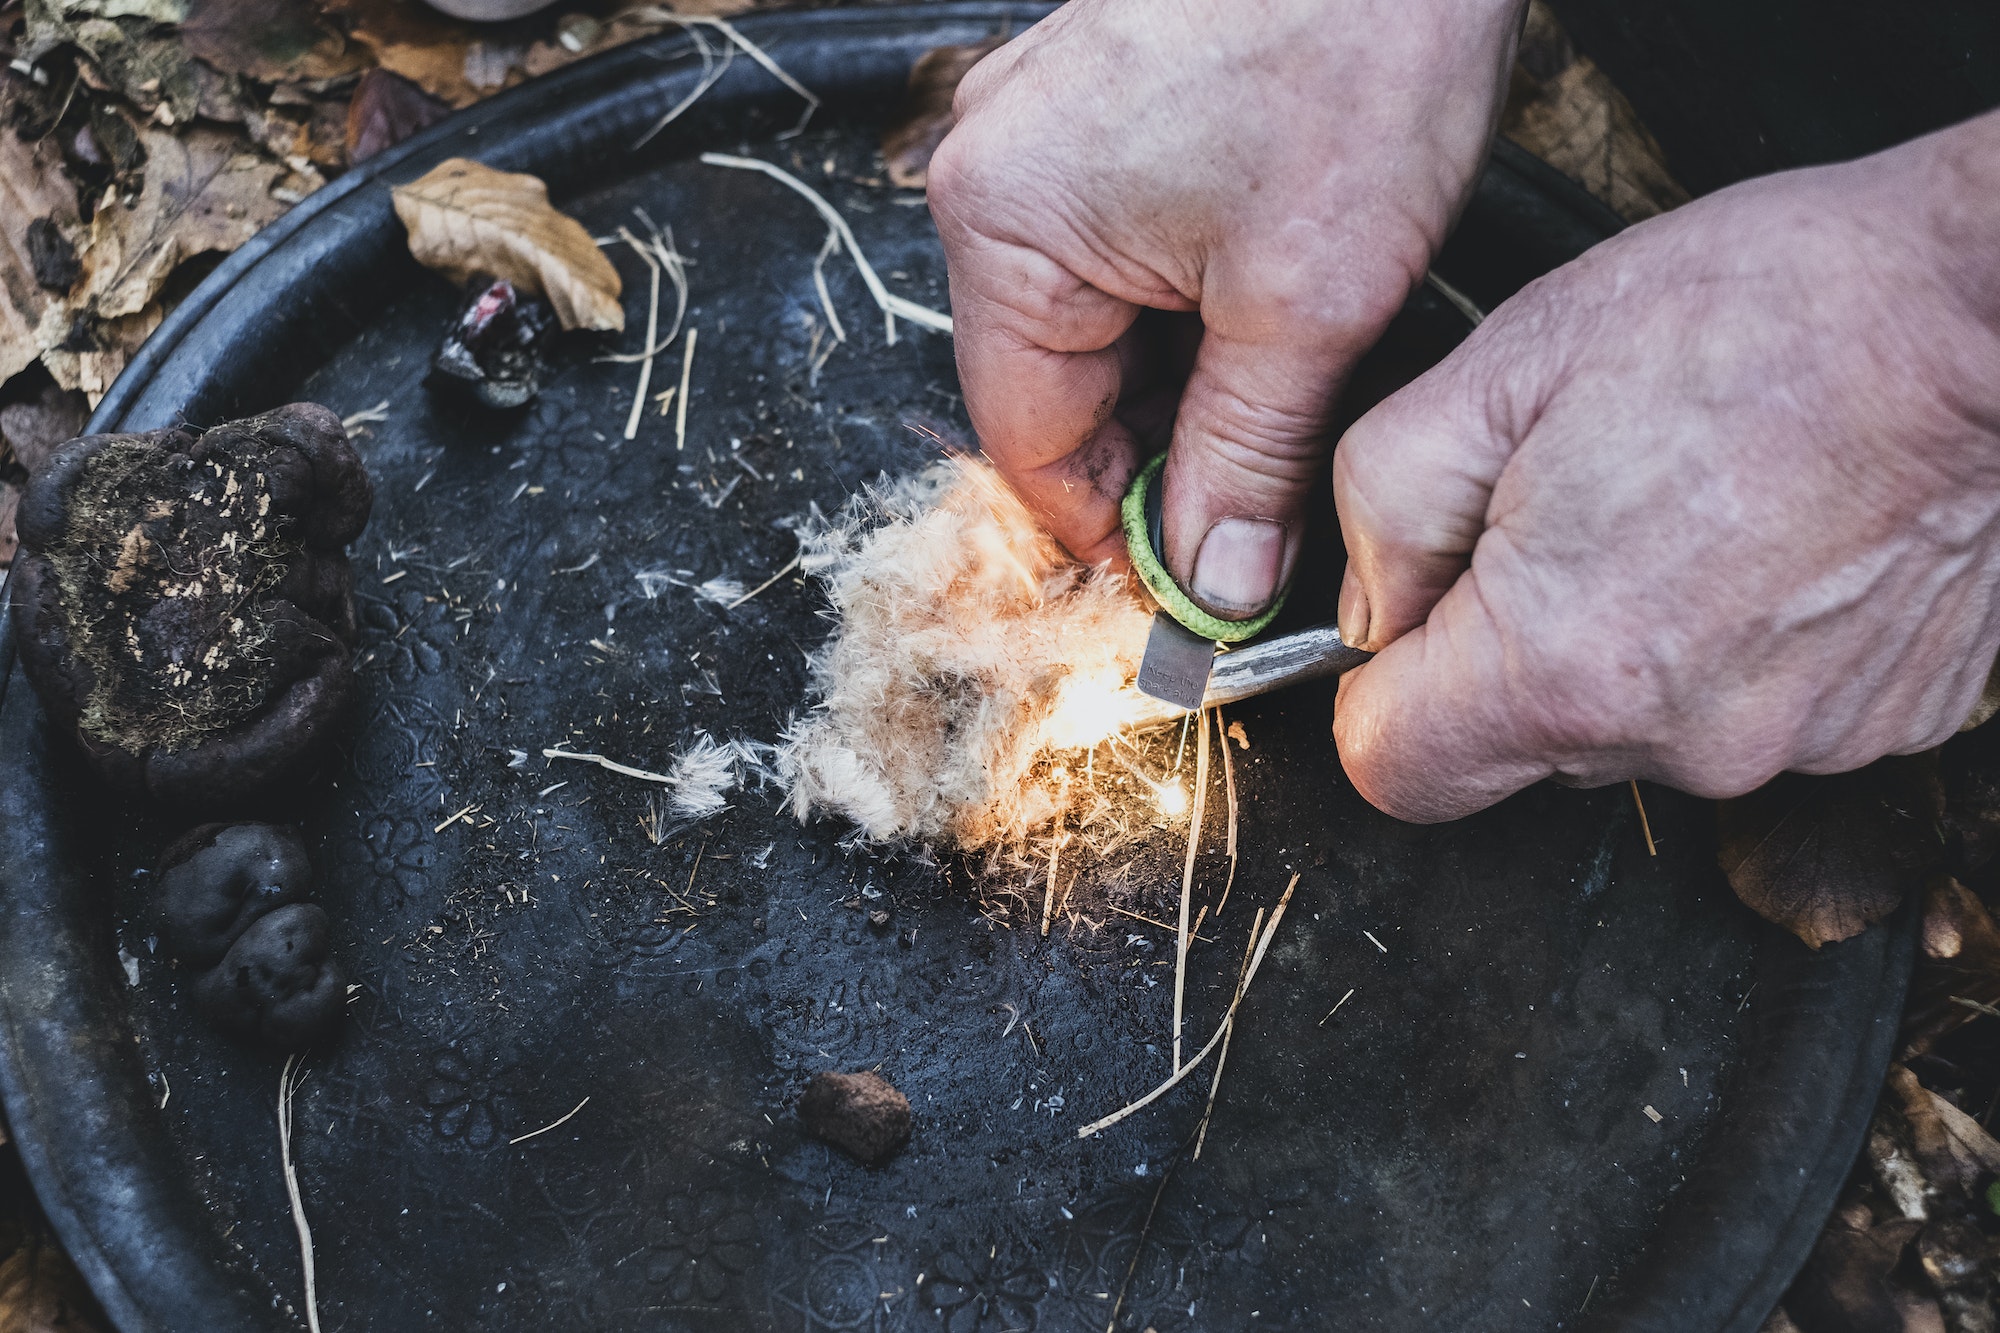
{"type": "Point", "coordinates": [215, 883]}
{"type": "Point", "coordinates": [186, 606]}
{"type": "Point", "coordinates": [278, 985]}
{"type": "Point", "coordinates": [861, 1114]}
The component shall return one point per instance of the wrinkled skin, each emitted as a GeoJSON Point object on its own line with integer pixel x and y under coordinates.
{"type": "Point", "coordinates": [1717, 500]}
{"type": "Point", "coordinates": [1282, 169]}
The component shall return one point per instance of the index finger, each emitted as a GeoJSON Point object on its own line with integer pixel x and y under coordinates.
{"type": "Point", "coordinates": [1040, 370]}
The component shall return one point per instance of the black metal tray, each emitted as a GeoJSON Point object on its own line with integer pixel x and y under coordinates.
{"type": "Point", "coordinates": [1464, 1145]}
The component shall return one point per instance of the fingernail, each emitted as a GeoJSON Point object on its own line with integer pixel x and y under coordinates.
{"type": "Point", "coordinates": [1353, 609]}
{"type": "Point", "coordinates": [1236, 570]}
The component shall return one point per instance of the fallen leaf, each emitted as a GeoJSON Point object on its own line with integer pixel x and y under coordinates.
{"type": "Point", "coordinates": [924, 117]}
{"type": "Point", "coordinates": [41, 1291]}
{"type": "Point", "coordinates": [1845, 1284]}
{"type": "Point", "coordinates": [203, 193]}
{"type": "Point", "coordinates": [1566, 111]}
{"type": "Point", "coordinates": [1825, 857]}
{"type": "Point", "coordinates": [1960, 961]}
{"type": "Point", "coordinates": [423, 46]}
{"type": "Point", "coordinates": [1951, 1147]}
{"type": "Point", "coordinates": [32, 187]}
{"type": "Point", "coordinates": [30, 429]}
{"type": "Point", "coordinates": [95, 351]}
{"type": "Point", "coordinates": [385, 110]}
{"type": "Point", "coordinates": [271, 41]}
{"type": "Point", "coordinates": [468, 220]}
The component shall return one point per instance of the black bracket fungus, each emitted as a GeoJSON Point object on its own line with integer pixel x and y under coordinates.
{"type": "Point", "coordinates": [494, 350]}
{"type": "Point", "coordinates": [185, 604]}
{"type": "Point", "coordinates": [861, 1114]}
{"type": "Point", "coordinates": [278, 985]}
{"type": "Point", "coordinates": [220, 878]}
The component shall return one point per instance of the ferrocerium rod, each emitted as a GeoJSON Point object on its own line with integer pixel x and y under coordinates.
{"type": "Point", "coordinates": [1259, 668]}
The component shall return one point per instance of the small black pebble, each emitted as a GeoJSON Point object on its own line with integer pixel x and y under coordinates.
{"type": "Point", "coordinates": [908, 939]}
{"type": "Point", "coordinates": [494, 350]}
{"type": "Point", "coordinates": [861, 1114]}
{"type": "Point", "coordinates": [278, 985]}
{"type": "Point", "coordinates": [219, 879]}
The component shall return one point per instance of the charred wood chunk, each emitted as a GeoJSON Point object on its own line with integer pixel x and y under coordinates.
{"type": "Point", "coordinates": [185, 604]}
{"type": "Point", "coordinates": [861, 1114]}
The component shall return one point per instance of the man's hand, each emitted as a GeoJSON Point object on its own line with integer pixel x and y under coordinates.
{"type": "Point", "coordinates": [1720, 499]}
{"type": "Point", "coordinates": [1282, 168]}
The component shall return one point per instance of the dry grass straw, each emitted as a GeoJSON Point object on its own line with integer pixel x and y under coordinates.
{"type": "Point", "coordinates": [681, 403]}
{"type": "Point", "coordinates": [1229, 784]}
{"type": "Point", "coordinates": [1645, 824]}
{"type": "Point", "coordinates": [712, 69]}
{"type": "Point", "coordinates": [819, 285]}
{"type": "Point", "coordinates": [790, 565]}
{"type": "Point", "coordinates": [553, 1124]}
{"type": "Point", "coordinates": [1263, 932]}
{"type": "Point", "coordinates": [288, 1084]}
{"type": "Point", "coordinates": [1187, 879]}
{"type": "Point", "coordinates": [892, 305]}
{"type": "Point", "coordinates": [1222, 1057]}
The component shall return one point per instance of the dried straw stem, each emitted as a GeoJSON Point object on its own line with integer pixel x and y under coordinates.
{"type": "Point", "coordinates": [287, 1085]}
{"type": "Point", "coordinates": [1264, 933]}
{"type": "Point", "coordinates": [892, 305]}
{"type": "Point", "coordinates": [1187, 879]}
{"type": "Point", "coordinates": [1229, 784]}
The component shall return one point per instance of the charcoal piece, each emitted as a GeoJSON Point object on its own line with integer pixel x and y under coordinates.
{"type": "Point", "coordinates": [861, 1114]}
{"type": "Point", "coordinates": [278, 985]}
{"type": "Point", "coordinates": [185, 606]}
{"type": "Point", "coordinates": [220, 879]}
{"type": "Point", "coordinates": [494, 351]}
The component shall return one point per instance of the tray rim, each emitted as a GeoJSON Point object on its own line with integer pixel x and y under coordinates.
{"type": "Point", "coordinates": [117, 1259]}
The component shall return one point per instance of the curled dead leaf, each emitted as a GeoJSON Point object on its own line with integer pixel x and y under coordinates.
{"type": "Point", "coordinates": [32, 188]}
{"type": "Point", "coordinates": [466, 219]}
{"type": "Point", "coordinates": [203, 193]}
{"type": "Point", "coordinates": [924, 117]}
{"type": "Point", "coordinates": [1959, 969]}
{"type": "Point", "coordinates": [385, 110]}
{"type": "Point", "coordinates": [1953, 1149]}
{"type": "Point", "coordinates": [10, 502]}
{"type": "Point", "coordinates": [1826, 857]}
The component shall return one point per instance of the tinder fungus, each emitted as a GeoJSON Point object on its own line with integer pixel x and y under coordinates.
{"type": "Point", "coordinates": [185, 605]}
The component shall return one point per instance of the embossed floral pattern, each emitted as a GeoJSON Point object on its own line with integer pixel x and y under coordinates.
{"type": "Point", "coordinates": [983, 1294]}
{"type": "Point", "coordinates": [698, 1247]}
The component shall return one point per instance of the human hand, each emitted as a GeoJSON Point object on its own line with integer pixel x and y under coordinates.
{"type": "Point", "coordinates": [1718, 500]}
{"type": "Point", "coordinates": [1282, 169]}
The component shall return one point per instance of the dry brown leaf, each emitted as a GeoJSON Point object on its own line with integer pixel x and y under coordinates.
{"type": "Point", "coordinates": [41, 1292]}
{"type": "Point", "coordinates": [1960, 961]}
{"type": "Point", "coordinates": [32, 185]}
{"type": "Point", "coordinates": [33, 427]}
{"type": "Point", "coordinates": [1846, 1282]}
{"type": "Point", "coordinates": [924, 117]}
{"type": "Point", "coordinates": [1825, 857]}
{"type": "Point", "coordinates": [202, 193]}
{"type": "Point", "coordinates": [442, 57]}
{"type": "Point", "coordinates": [468, 220]}
{"type": "Point", "coordinates": [89, 362]}
{"type": "Point", "coordinates": [385, 110]}
{"type": "Point", "coordinates": [1566, 111]}
{"type": "Point", "coordinates": [271, 41]}
{"type": "Point", "coordinates": [1951, 1146]}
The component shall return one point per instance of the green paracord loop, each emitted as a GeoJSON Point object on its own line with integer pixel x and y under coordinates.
{"type": "Point", "coordinates": [1139, 544]}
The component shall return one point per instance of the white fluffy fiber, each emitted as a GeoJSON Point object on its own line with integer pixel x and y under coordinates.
{"type": "Point", "coordinates": [969, 653]}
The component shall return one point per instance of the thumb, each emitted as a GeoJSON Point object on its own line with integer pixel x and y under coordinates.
{"type": "Point", "coordinates": [1250, 443]}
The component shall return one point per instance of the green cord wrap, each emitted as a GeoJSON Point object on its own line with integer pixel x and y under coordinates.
{"type": "Point", "coordinates": [1139, 544]}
